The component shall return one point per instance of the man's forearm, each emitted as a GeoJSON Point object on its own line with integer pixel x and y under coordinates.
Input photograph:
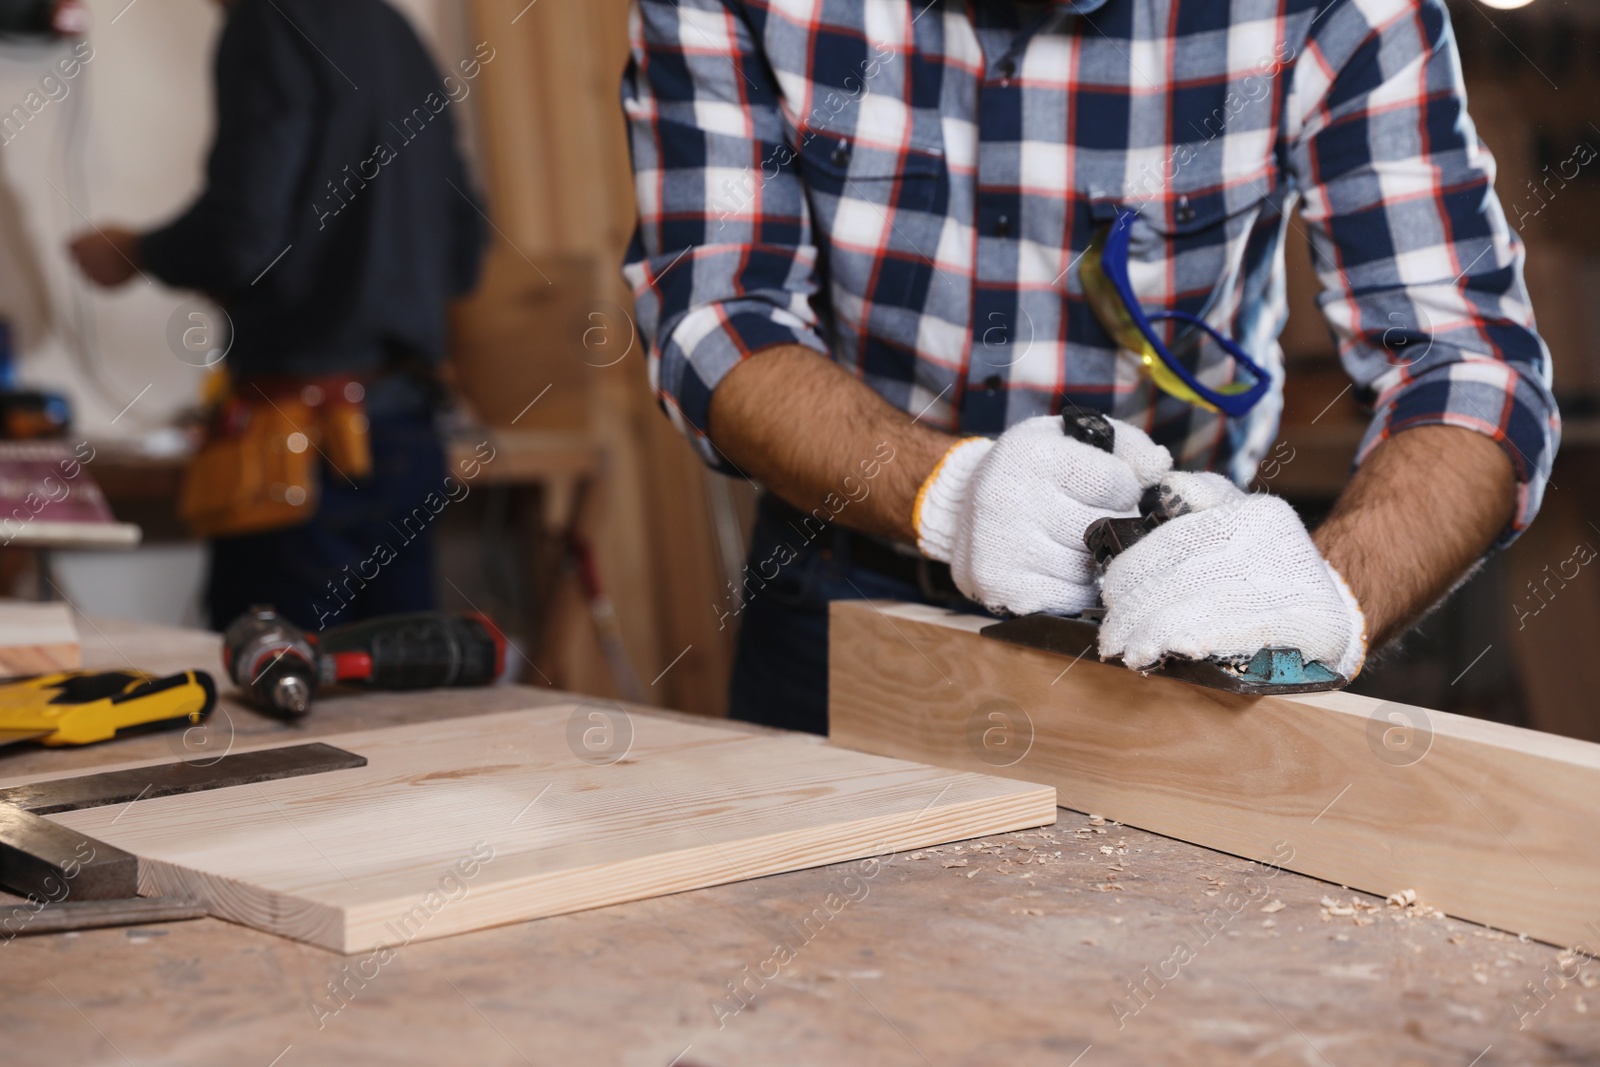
{"type": "Point", "coordinates": [1419, 513]}
{"type": "Point", "coordinates": [801, 425]}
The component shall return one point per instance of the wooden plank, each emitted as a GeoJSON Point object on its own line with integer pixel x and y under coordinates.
{"type": "Point", "coordinates": [560, 190]}
{"type": "Point", "coordinates": [1486, 822]}
{"type": "Point", "coordinates": [41, 534]}
{"type": "Point", "coordinates": [37, 638]}
{"type": "Point", "coordinates": [476, 822]}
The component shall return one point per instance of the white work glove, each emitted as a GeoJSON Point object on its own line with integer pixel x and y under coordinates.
{"type": "Point", "coordinates": [1008, 515]}
{"type": "Point", "coordinates": [1234, 574]}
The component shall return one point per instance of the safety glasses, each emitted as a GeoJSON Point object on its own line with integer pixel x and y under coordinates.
{"type": "Point", "coordinates": [1104, 271]}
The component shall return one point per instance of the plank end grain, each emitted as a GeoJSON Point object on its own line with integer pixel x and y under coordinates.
{"type": "Point", "coordinates": [1486, 822]}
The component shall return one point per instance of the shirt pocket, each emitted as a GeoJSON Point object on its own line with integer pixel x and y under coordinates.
{"type": "Point", "coordinates": [877, 209]}
{"type": "Point", "coordinates": [1190, 250]}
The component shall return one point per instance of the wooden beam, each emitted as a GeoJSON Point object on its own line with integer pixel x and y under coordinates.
{"type": "Point", "coordinates": [1486, 822]}
{"type": "Point", "coordinates": [560, 189]}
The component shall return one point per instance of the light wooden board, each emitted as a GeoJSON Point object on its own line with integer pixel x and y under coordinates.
{"type": "Point", "coordinates": [475, 822]}
{"type": "Point", "coordinates": [1486, 822]}
{"type": "Point", "coordinates": [37, 638]}
{"type": "Point", "coordinates": [41, 534]}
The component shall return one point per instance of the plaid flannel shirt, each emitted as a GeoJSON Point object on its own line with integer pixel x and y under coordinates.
{"type": "Point", "coordinates": [908, 186]}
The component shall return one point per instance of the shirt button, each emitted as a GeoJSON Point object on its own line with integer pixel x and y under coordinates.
{"type": "Point", "coordinates": [1002, 226]}
{"type": "Point", "coordinates": [841, 154]}
{"type": "Point", "coordinates": [1184, 212]}
{"type": "Point", "coordinates": [993, 383]}
{"type": "Point", "coordinates": [1006, 68]}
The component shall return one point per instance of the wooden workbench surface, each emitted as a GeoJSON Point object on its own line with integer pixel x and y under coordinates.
{"type": "Point", "coordinates": [1005, 950]}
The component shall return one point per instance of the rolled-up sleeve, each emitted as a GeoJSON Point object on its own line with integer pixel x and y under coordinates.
{"type": "Point", "coordinates": [1421, 275]}
{"type": "Point", "coordinates": [722, 264]}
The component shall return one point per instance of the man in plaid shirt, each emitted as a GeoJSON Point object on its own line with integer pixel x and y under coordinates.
{"type": "Point", "coordinates": [883, 243]}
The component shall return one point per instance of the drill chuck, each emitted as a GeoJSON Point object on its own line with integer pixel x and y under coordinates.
{"type": "Point", "coordinates": [271, 661]}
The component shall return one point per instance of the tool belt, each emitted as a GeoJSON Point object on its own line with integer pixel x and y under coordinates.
{"type": "Point", "coordinates": [259, 467]}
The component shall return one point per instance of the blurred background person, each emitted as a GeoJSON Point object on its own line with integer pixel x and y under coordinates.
{"type": "Point", "coordinates": [336, 224]}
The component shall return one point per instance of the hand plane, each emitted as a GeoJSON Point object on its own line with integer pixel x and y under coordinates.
{"type": "Point", "coordinates": [1272, 671]}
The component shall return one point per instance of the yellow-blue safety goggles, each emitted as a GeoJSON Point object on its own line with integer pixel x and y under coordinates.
{"type": "Point", "coordinates": [1104, 272]}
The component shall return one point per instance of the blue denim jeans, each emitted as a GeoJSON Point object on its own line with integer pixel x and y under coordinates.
{"type": "Point", "coordinates": [295, 568]}
{"type": "Point", "coordinates": [780, 670]}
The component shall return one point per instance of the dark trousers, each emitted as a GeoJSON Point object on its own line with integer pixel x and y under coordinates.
{"type": "Point", "coordinates": [780, 670]}
{"type": "Point", "coordinates": [359, 557]}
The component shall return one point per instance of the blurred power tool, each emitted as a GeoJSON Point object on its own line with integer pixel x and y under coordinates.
{"type": "Point", "coordinates": [1275, 670]}
{"type": "Point", "coordinates": [281, 668]}
{"type": "Point", "coordinates": [81, 707]}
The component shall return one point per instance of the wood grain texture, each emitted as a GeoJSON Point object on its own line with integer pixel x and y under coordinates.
{"type": "Point", "coordinates": [1006, 959]}
{"type": "Point", "coordinates": [1486, 822]}
{"type": "Point", "coordinates": [37, 638]}
{"type": "Point", "coordinates": [476, 822]}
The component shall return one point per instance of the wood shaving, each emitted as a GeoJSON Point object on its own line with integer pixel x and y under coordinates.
{"type": "Point", "coordinates": [953, 863]}
{"type": "Point", "coordinates": [1403, 899]}
{"type": "Point", "coordinates": [1273, 908]}
{"type": "Point", "coordinates": [1097, 820]}
{"type": "Point", "coordinates": [1331, 907]}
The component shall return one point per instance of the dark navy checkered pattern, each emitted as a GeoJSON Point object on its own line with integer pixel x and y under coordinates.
{"type": "Point", "coordinates": [908, 188]}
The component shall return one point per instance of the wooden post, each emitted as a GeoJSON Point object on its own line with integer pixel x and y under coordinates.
{"type": "Point", "coordinates": [560, 187]}
{"type": "Point", "coordinates": [1484, 821]}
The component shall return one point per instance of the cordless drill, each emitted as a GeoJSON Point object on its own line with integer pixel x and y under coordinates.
{"type": "Point", "coordinates": [281, 668]}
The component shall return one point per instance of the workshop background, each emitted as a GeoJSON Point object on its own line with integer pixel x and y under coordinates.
{"type": "Point", "coordinates": [546, 356]}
